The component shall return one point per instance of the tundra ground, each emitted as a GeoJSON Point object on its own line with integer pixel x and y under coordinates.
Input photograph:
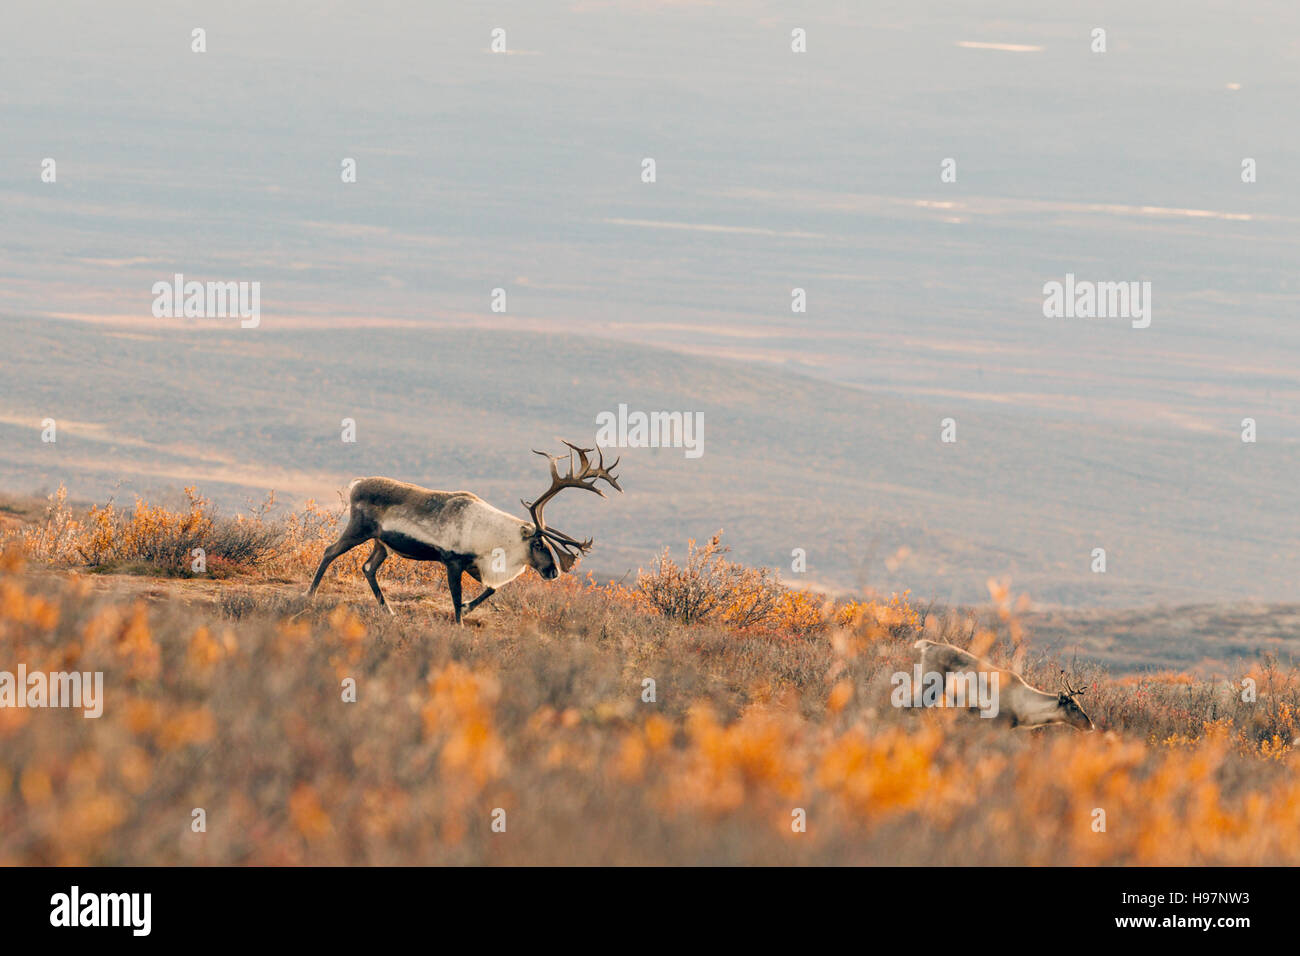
{"type": "Point", "coordinates": [588, 723]}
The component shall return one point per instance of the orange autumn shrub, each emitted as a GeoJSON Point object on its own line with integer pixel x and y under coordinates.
{"type": "Point", "coordinates": [709, 587]}
{"type": "Point", "coordinates": [151, 538]}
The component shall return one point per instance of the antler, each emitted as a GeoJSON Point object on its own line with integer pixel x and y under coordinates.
{"type": "Point", "coordinates": [1070, 691]}
{"type": "Point", "coordinates": [585, 477]}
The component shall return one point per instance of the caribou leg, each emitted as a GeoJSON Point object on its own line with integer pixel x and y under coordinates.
{"type": "Point", "coordinates": [486, 593]}
{"type": "Point", "coordinates": [377, 557]}
{"type": "Point", "coordinates": [351, 537]}
{"type": "Point", "coordinates": [454, 571]}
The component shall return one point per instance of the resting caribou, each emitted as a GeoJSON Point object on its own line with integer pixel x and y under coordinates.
{"type": "Point", "coordinates": [1018, 704]}
{"type": "Point", "coordinates": [463, 531]}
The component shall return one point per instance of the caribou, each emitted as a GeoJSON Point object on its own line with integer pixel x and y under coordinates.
{"type": "Point", "coordinates": [1018, 704]}
{"type": "Point", "coordinates": [463, 531]}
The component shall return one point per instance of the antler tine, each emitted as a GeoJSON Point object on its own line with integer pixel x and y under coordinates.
{"type": "Point", "coordinates": [600, 470]}
{"type": "Point", "coordinates": [582, 456]}
{"type": "Point", "coordinates": [551, 460]}
{"type": "Point", "coordinates": [1069, 689]}
{"type": "Point", "coordinates": [562, 539]}
{"type": "Point", "coordinates": [585, 476]}
{"type": "Point", "coordinates": [608, 473]}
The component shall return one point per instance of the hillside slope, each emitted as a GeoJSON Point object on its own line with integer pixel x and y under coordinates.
{"type": "Point", "coordinates": [860, 482]}
{"type": "Point", "coordinates": [598, 732]}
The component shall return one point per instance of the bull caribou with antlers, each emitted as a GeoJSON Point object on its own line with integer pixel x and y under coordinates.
{"type": "Point", "coordinates": [1018, 704]}
{"type": "Point", "coordinates": [463, 531]}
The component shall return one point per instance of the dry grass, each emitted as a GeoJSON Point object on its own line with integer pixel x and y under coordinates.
{"type": "Point", "coordinates": [228, 696]}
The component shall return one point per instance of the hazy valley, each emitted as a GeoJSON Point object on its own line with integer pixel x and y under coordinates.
{"type": "Point", "coordinates": [860, 481]}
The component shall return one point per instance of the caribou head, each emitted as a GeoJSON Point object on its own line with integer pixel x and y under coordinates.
{"type": "Point", "coordinates": [1070, 710]}
{"type": "Point", "coordinates": [547, 545]}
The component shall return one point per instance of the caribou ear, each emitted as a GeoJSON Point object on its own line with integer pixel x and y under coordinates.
{"type": "Point", "coordinates": [566, 560]}
{"type": "Point", "coordinates": [526, 531]}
